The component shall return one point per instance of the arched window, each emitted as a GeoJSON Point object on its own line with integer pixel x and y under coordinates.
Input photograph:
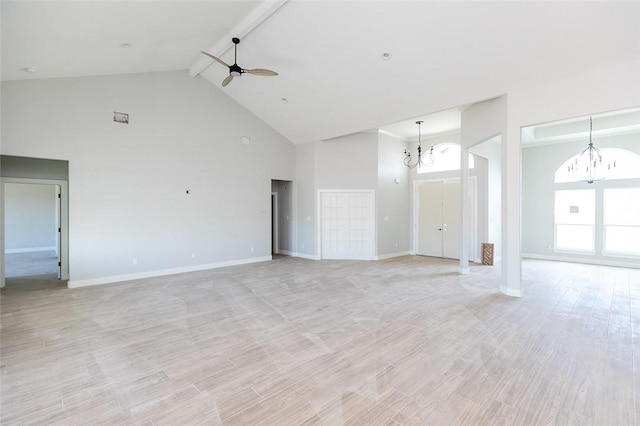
{"type": "Point", "coordinates": [627, 166]}
{"type": "Point", "coordinates": [446, 157]}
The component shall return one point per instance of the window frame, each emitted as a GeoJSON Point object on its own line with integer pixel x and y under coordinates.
{"type": "Point", "coordinates": [614, 253]}
{"type": "Point", "coordinates": [593, 224]}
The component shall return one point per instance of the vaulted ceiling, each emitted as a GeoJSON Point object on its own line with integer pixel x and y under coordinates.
{"type": "Point", "coordinates": [332, 78]}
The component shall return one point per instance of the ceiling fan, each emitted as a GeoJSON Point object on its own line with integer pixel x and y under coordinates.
{"type": "Point", "coordinates": [235, 70]}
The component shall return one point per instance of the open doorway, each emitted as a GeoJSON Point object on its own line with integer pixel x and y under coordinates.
{"type": "Point", "coordinates": [32, 224]}
{"type": "Point", "coordinates": [35, 236]}
{"type": "Point", "coordinates": [281, 218]}
{"type": "Point", "coordinates": [580, 189]}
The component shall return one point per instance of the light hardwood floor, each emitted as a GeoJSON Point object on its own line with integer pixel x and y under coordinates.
{"type": "Point", "coordinates": [404, 341]}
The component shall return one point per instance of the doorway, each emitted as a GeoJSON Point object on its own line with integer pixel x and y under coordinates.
{"type": "Point", "coordinates": [35, 237]}
{"type": "Point", "coordinates": [281, 218]}
{"type": "Point", "coordinates": [438, 218]}
{"type": "Point", "coordinates": [274, 223]}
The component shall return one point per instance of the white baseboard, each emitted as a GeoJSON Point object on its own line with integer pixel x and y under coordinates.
{"type": "Point", "coordinates": [162, 272]}
{"type": "Point", "coordinates": [392, 255]}
{"type": "Point", "coordinates": [511, 291]}
{"type": "Point", "coordinates": [301, 255]}
{"type": "Point", "coordinates": [307, 256]}
{"type": "Point", "coordinates": [30, 249]}
{"type": "Point", "coordinates": [602, 262]}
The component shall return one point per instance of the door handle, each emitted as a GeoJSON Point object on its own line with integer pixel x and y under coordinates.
{"type": "Point", "coordinates": [439, 229]}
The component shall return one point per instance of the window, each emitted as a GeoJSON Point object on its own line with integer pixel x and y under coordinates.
{"type": "Point", "coordinates": [575, 220]}
{"type": "Point", "coordinates": [627, 166]}
{"type": "Point", "coordinates": [622, 220]}
{"type": "Point", "coordinates": [446, 157]}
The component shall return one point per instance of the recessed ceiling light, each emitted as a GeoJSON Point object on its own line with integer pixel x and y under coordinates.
{"type": "Point", "coordinates": [125, 45]}
{"type": "Point", "coordinates": [385, 56]}
{"type": "Point", "coordinates": [28, 69]}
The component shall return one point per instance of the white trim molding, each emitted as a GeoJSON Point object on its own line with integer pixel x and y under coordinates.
{"type": "Point", "coordinates": [392, 255]}
{"type": "Point", "coordinates": [159, 273]}
{"type": "Point", "coordinates": [603, 262]}
{"type": "Point", "coordinates": [513, 292]}
{"type": "Point", "coordinates": [306, 256]}
{"type": "Point", "coordinates": [30, 250]}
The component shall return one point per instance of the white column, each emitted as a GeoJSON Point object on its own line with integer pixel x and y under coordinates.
{"type": "Point", "coordinates": [465, 210]}
{"type": "Point", "coordinates": [511, 283]}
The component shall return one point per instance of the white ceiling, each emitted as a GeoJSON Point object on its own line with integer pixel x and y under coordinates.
{"type": "Point", "coordinates": [443, 54]}
{"type": "Point", "coordinates": [82, 38]}
{"type": "Point", "coordinates": [437, 123]}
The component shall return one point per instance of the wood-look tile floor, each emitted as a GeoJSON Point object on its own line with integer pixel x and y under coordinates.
{"type": "Point", "coordinates": [404, 341]}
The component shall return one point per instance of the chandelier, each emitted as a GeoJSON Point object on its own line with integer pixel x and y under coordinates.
{"type": "Point", "coordinates": [588, 166]}
{"type": "Point", "coordinates": [428, 161]}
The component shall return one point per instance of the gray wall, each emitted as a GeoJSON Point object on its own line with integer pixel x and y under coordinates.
{"type": "Point", "coordinates": [392, 199]}
{"type": "Point", "coordinates": [30, 217]}
{"type": "Point", "coordinates": [490, 151]}
{"type": "Point", "coordinates": [348, 162]}
{"type": "Point", "coordinates": [367, 160]}
{"type": "Point", "coordinates": [127, 183]}
{"type": "Point", "coordinates": [306, 199]}
{"type": "Point", "coordinates": [539, 165]}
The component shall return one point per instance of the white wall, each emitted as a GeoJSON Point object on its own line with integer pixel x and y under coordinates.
{"type": "Point", "coordinates": [30, 217]}
{"type": "Point", "coordinates": [127, 183]}
{"type": "Point", "coordinates": [392, 199]}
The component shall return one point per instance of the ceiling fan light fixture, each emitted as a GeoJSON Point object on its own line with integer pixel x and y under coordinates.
{"type": "Point", "coordinates": [236, 70]}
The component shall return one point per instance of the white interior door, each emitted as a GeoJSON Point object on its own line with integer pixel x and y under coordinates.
{"type": "Point", "coordinates": [438, 232]}
{"type": "Point", "coordinates": [451, 214]}
{"type": "Point", "coordinates": [430, 219]}
{"type": "Point", "coordinates": [347, 225]}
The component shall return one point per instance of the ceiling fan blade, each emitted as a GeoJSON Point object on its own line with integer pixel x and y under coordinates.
{"type": "Point", "coordinates": [261, 71]}
{"type": "Point", "coordinates": [227, 80]}
{"type": "Point", "coordinates": [215, 59]}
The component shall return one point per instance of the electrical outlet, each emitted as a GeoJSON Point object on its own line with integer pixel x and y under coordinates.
{"type": "Point", "coordinates": [251, 249]}
{"type": "Point", "coordinates": [193, 255]}
{"type": "Point", "coordinates": [135, 261]}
